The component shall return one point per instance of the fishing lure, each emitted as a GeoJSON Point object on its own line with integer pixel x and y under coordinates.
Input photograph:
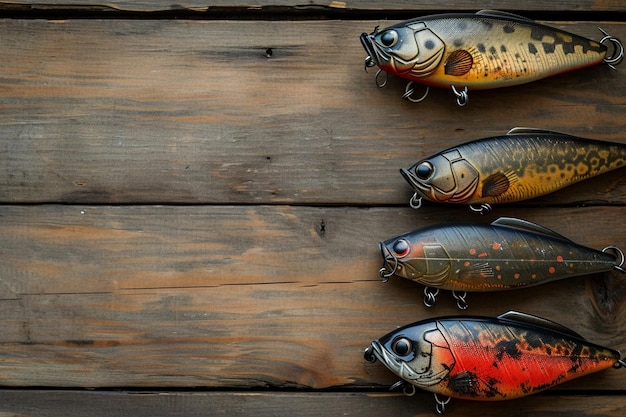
{"type": "Point", "coordinates": [490, 359]}
{"type": "Point", "coordinates": [485, 50]}
{"type": "Point", "coordinates": [525, 163]}
{"type": "Point", "coordinates": [506, 254]}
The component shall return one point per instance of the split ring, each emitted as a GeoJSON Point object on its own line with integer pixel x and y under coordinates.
{"type": "Point", "coordinates": [618, 53]}
{"type": "Point", "coordinates": [409, 90]}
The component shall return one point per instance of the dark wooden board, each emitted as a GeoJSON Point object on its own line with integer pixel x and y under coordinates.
{"type": "Point", "coordinates": [190, 210]}
{"type": "Point", "coordinates": [261, 404]}
{"type": "Point", "coordinates": [226, 296]}
{"type": "Point", "coordinates": [202, 6]}
{"type": "Point", "coordinates": [194, 112]}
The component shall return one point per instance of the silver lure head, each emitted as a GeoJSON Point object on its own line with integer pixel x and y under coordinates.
{"type": "Point", "coordinates": [409, 50]}
{"type": "Point", "coordinates": [417, 353]}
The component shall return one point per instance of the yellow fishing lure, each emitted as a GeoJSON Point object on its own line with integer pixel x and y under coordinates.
{"type": "Point", "coordinates": [488, 49]}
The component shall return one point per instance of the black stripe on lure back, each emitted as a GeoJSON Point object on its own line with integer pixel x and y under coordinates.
{"type": "Point", "coordinates": [504, 255]}
{"type": "Point", "coordinates": [488, 49]}
{"type": "Point", "coordinates": [525, 163]}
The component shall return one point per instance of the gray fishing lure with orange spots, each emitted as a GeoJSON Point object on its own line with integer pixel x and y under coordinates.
{"type": "Point", "coordinates": [506, 254]}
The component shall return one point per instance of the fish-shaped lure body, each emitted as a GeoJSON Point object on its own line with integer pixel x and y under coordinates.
{"type": "Point", "coordinates": [525, 163]}
{"type": "Point", "coordinates": [485, 50]}
{"type": "Point", "coordinates": [474, 257]}
{"type": "Point", "coordinates": [483, 358]}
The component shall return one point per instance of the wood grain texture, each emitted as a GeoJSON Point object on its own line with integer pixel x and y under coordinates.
{"type": "Point", "coordinates": [157, 5]}
{"type": "Point", "coordinates": [194, 112]}
{"type": "Point", "coordinates": [248, 404]}
{"type": "Point", "coordinates": [229, 296]}
{"type": "Point", "coordinates": [197, 205]}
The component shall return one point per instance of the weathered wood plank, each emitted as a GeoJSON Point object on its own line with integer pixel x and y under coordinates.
{"type": "Point", "coordinates": [265, 404]}
{"type": "Point", "coordinates": [157, 5]}
{"type": "Point", "coordinates": [224, 296]}
{"type": "Point", "coordinates": [194, 112]}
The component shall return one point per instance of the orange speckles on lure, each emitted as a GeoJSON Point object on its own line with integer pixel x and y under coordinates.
{"type": "Point", "coordinates": [482, 358]}
{"type": "Point", "coordinates": [525, 163]}
{"type": "Point", "coordinates": [506, 254]}
{"type": "Point", "coordinates": [485, 50]}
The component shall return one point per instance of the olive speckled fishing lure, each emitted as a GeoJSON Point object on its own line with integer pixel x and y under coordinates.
{"type": "Point", "coordinates": [523, 164]}
{"type": "Point", "coordinates": [488, 49]}
{"type": "Point", "coordinates": [506, 254]}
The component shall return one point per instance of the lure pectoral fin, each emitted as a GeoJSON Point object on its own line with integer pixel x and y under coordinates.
{"type": "Point", "coordinates": [489, 49]}
{"type": "Point", "coordinates": [458, 63]}
{"type": "Point", "coordinates": [488, 359]}
{"type": "Point", "coordinates": [497, 184]}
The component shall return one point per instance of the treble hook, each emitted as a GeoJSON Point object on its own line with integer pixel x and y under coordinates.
{"type": "Point", "coordinates": [415, 201]}
{"type": "Point", "coordinates": [383, 271]}
{"type": "Point", "coordinates": [619, 266]}
{"type": "Point", "coordinates": [618, 52]}
{"type": "Point", "coordinates": [380, 84]}
{"type": "Point", "coordinates": [369, 62]}
{"type": "Point", "coordinates": [484, 208]}
{"type": "Point", "coordinates": [462, 97]}
{"type": "Point", "coordinates": [430, 296]}
{"type": "Point", "coordinates": [409, 90]}
{"type": "Point", "coordinates": [461, 302]}
{"type": "Point", "coordinates": [407, 389]}
{"type": "Point", "coordinates": [400, 383]}
{"type": "Point", "coordinates": [440, 407]}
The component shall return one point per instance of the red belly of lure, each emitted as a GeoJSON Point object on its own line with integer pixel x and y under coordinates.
{"type": "Point", "coordinates": [488, 359]}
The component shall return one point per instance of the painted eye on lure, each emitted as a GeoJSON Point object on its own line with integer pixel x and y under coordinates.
{"type": "Point", "coordinates": [424, 170]}
{"type": "Point", "coordinates": [488, 49]}
{"type": "Point", "coordinates": [401, 248]}
{"type": "Point", "coordinates": [389, 38]}
{"type": "Point", "coordinates": [402, 346]}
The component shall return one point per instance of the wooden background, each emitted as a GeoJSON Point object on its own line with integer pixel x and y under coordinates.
{"type": "Point", "coordinates": [190, 227]}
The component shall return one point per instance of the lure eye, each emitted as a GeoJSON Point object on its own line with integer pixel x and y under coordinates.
{"type": "Point", "coordinates": [401, 248]}
{"type": "Point", "coordinates": [389, 38]}
{"type": "Point", "coordinates": [424, 170]}
{"type": "Point", "coordinates": [402, 346]}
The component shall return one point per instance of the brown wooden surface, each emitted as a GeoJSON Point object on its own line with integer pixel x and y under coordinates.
{"type": "Point", "coordinates": [244, 404]}
{"type": "Point", "coordinates": [194, 112]}
{"type": "Point", "coordinates": [182, 212]}
{"type": "Point", "coordinates": [199, 5]}
{"type": "Point", "coordinates": [242, 296]}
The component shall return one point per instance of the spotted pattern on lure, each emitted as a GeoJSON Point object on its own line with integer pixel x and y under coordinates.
{"type": "Point", "coordinates": [523, 164]}
{"type": "Point", "coordinates": [485, 50]}
{"type": "Point", "coordinates": [474, 257]}
{"type": "Point", "coordinates": [488, 359]}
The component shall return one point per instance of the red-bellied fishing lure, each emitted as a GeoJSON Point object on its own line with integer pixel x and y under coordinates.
{"type": "Point", "coordinates": [506, 254]}
{"type": "Point", "coordinates": [489, 359]}
{"type": "Point", "coordinates": [525, 163]}
{"type": "Point", "coordinates": [488, 49]}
